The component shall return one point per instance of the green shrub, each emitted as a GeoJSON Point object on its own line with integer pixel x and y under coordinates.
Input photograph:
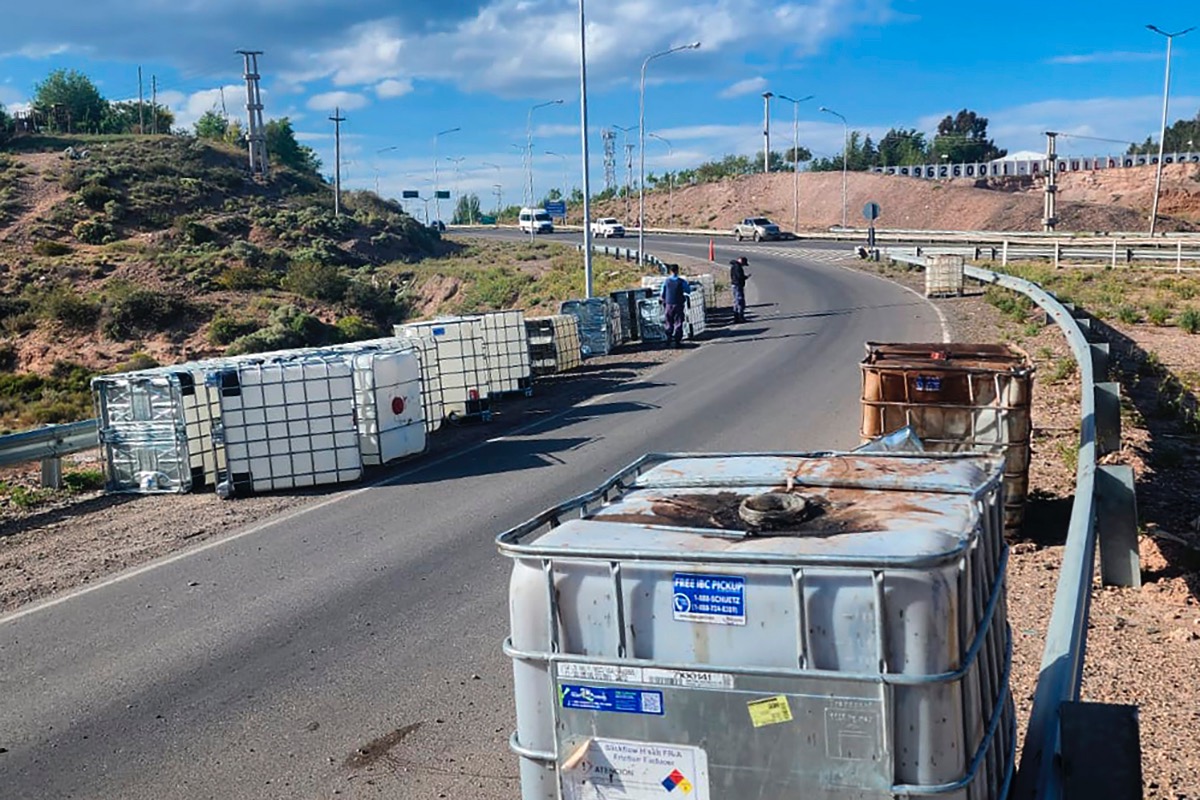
{"type": "Point", "coordinates": [1189, 320]}
{"type": "Point", "coordinates": [1063, 369]}
{"type": "Point", "coordinates": [142, 311]}
{"type": "Point", "coordinates": [1158, 314]}
{"type": "Point", "coordinates": [96, 195]}
{"type": "Point", "coordinates": [263, 341]}
{"type": "Point", "coordinates": [225, 329]}
{"type": "Point", "coordinates": [376, 301]}
{"type": "Point", "coordinates": [1009, 303]}
{"type": "Point", "coordinates": [315, 280]}
{"type": "Point", "coordinates": [195, 233]}
{"type": "Point", "coordinates": [63, 304]}
{"type": "Point", "coordinates": [12, 306]}
{"type": "Point", "coordinates": [1128, 314]}
{"type": "Point", "coordinates": [355, 329]}
{"type": "Point", "coordinates": [93, 231]}
{"type": "Point", "coordinates": [240, 279]}
{"type": "Point", "coordinates": [84, 480]}
{"type": "Point", "coordinates": [23, 496]}
{"type": "Point", "coordinates": [49, 247]}
{"type": "Point", "coordinates": [138, 361]}
{"type": "Point", "coordinates": [114, 210]}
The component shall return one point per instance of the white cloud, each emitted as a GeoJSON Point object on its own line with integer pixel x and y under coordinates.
{"type": "Point", "coordinates": [393, 87]}
{"type": "Point", "coordinates": [346, 101]}
{"type": "Point", "coordinates": [40, 50]}
{"type": "Point", "coordinates": [189, 108]}
{"type": "Point", "coordinates": [1114, 57]}
{"type": "Point", "coordinates": [748, 86]}
{"type": "Point", "coordinates": [1120, 119]}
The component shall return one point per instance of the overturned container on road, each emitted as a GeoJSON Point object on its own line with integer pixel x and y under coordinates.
{"type": "Point", "coordinates": [553, 343]}
{"type": "Point", "coordinates": [784, 626]}
{"type": "Point", "coordinates": [457, 345]}
{"type": "Point", "coordinates": [507, 341]}
{"type": "Point", "coordinates": [627, 305]}
{"type": "Point", "coordinates": [957, 398]}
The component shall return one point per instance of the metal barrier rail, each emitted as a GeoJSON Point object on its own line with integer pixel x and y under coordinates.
{"type": "Point", "coordinates": [1061, 672]}
{"type": "Point", "coordinates": [1112, 253]}
{"type": "Point", "coordinates": [48, 445]}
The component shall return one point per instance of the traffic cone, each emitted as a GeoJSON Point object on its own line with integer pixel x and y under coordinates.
{"type": "Point", "coordinates": [712, 252]}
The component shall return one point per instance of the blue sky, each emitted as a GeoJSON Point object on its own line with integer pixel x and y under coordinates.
{"type": "Point", "coordinates": [403, 70]}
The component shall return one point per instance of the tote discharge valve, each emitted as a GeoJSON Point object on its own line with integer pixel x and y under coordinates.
{"type": "Point", "coordinates": [808, 627]}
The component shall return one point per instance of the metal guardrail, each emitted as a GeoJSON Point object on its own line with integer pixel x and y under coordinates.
{"type": "Point", "coordinates": [1061, 673]}
{"type": "Point", "coordinates": [48, 445]}
{"type": "Point", "coordinates": [1112, 253]}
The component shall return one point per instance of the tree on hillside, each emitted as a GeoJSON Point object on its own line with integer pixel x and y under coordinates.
{"type": "Point", "coordinates": [902, 148]}
{"type": "Point", "coordinates": [283, 147]}
{"type": "Point", "coordinates": [467, 211]}
{"type": "Point", "coordinates": [70, 101]}
{"type": "Point", "coordinates": [1182, 137]}
{"type": "Point", "coordinates": [127, 117]}
{"type": "Point", "coordinates": [211, 125]}
{"type": "Point", "coordinates": [794, 154]}
{"type": "Point", "coordinates": [963, 138]}
{"type": "Point", "coordinates": [5, 125]}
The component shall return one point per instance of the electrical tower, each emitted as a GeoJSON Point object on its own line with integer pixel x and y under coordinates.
{"type": "Point", "coordinates": [610, 159]}
{"type": "Point", "coordinates": [256, 133]}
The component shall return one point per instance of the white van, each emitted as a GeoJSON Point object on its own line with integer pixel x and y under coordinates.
{"type": "Point", "coordinates": [535, 220]}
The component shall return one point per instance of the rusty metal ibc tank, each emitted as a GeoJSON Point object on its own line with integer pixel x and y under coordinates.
{"type": "Point", "coordinates": [957, 398]}
{"type": "Point", "coordinates": [763, 625]}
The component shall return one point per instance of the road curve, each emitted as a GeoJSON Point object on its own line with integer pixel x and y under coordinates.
{"type": "Point", "coordinates": [353, 650]}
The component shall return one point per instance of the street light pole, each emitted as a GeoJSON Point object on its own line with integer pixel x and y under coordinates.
{"type": "Point", "coordinates": [564, 170]}
{"type": "Point", "coordinates": [628, 164]}
{"type": "Point", "coordinates": [795, 158]}
{"type": "Point", "coordinates": [642, 147]}
{"type": "Point", "coordinates": [583, 133]}
{"type": "Point", "coordinates": [670, 180]}
{"type": "Point", "coordinates": [767, 131]}
{"type": "Point", "coordinates": [845, 148]}
{"type": "Point", "coordinates": [378, 152]}
{"type": "Point", "coordinates": [1162, 130]}
{"type": "Point", "coordinates": [437, 203]}
{"type": "Point", "coordinates": [457, 162]}
{"type": "Point", "coordinates": [529, 153]}
{"type": "Point", "coordinates": [495, 186]}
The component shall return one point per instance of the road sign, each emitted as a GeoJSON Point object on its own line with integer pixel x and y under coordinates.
{"type": "Point", "coordinates": [871, 211]}
{"type": "Point", "coordinates": [556, 208]}
{"type": "Point", "coordinates": [442, 194]}
{"type": "Point", "coordinates": [486, 220]}
{"type": "Point", "coordinates": [409, 194]}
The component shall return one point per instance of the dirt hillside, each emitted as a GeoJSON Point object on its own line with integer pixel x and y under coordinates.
{"type": "Point", "coordinates": [1117, 200]}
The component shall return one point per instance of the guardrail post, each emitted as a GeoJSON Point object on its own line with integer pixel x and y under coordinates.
{"type": "Point", "coordinates": [1114, 254]}
{"type": "Point", "coordinates": [1108, 416]}
{"type": "Point", "coordinates": [1116, 524]}
{"type": "Point", "coordinates": [1101, 751]}
{"type": "Point", "coordinates": [52, 473]}
{"type": "Point", "coordinates": [1179, 256]}
{"type": "Point", "coordinates": [1004, 254]}
{"type": "Point", "coordinates": [1100, 352]}
{"type": "Point", "coordinates": [1057, 252]}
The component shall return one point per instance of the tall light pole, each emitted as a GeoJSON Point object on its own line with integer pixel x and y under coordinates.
{"type": "Point", "coordinates": [845, 154]}
{"type": "Point", "coordinates": [564, 170]}
{"type": "Point", "coordinates": [380, 152]}
{"type": "Point", "coordinates": [457, 162]}
{"type": "Point", "coordinates": [495, 186]}
{"type": "Point", "coordinates": [795, 158]}
{"type": "Point", "coordinates": [670, 179]}
{"type": "Point", "coordinates": [642, 147]}
{"type": "Point", "coordinates": [583, 133]}
{"type": "Point", "coordinates": [767, 130]}
{"type": "Point", "coordinates": [625, 148]}
{"type": "Point", "coordinates": [437, 203]}
{"type": "Point", "coordinates": [529, 153]}
{"type": "Point", "coordinates": [1162, 130]}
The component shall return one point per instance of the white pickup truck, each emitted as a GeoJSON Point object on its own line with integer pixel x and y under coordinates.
{"type": "Point", "coordinates": [608, 226]}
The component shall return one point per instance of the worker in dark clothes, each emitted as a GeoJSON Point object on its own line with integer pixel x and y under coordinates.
{"type": "Point", "coordinates": [675, 291]}
{"type": "Point", "coordinates": [737, 279]}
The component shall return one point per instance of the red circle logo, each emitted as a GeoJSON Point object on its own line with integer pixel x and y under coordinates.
{"type": "Point", "coordinates": [397, 405]}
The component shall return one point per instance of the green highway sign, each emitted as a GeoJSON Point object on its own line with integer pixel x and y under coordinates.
{"type": "Point", "coordinates": [410, 194]}
{"type": "Point", "coordinates": [442, 194]}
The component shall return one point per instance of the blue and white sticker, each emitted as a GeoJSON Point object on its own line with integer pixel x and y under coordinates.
{"type": "Point", "coordinates": [929, 383]}
{"type": "Point", "coordinates": [611, 698]}
{"type": "Point", "coordinates": [716, 599]}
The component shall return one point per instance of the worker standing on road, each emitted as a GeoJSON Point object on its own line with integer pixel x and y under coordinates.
{"type": "Point", "coordinates": [737, 279]}
{"type": "Point", "coordinates": [675, 291]}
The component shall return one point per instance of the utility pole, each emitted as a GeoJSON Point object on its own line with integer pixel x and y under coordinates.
{"type": "Point", "coordinates": [583, 135]}
{"type": "Point", "coordinates": [767, 130]}
{"type": "Point", "coordinates": [610, 159]}
{"type": "Point", "coordinates": [256, 132]}
{"type": "Point", "coordinates": [337, 119]}
{"type": "Point", "coordinates": [628, 180]}
{"type": "Point", "coordinates": [141, 116]}
{"type": "Point", "coordinates": [1050, 218]}
{"type": "Point", "coordinates": [154, 104]}
{"type": "Point", "coordinates": [1162, 131]}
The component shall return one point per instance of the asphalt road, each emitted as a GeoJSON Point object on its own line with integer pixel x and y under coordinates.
{"type": "Point", "coordinates": [353, 649]}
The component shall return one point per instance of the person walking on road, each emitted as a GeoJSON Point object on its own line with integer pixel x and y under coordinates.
{"type": "Point", "coordinates": [737, 279]}
{"type": "Point", "coordinates": [675, 291]}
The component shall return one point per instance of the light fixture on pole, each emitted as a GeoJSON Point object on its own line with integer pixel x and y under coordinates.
{"type": "Point", "coordinates": [1162, 130]}
{"type": "Point", "coordinates": [529, 153]}
{"type": "Point", "coordinates": [670, 180]}
{"type": "Point", "coordinates": [437, 203]}
{"type": "Point", "coordinates": [642, 147]}
{"type": "Point", "coordinates": [378, 152]}
{"type": "Point", "coordinates": [495, 186]}
{"type": "Point", "coordinates": [845, 155]}
{"type": "Point", "coordinates": [583, 134]}
{"type": "Point", "coordinates": [767, 130]}
{"type": "Point", "coordinates": [457, 193]}
{"type": "Point", "coordinates": [795, 158]}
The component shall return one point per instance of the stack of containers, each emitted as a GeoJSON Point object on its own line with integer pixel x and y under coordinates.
{"type": "Point", "coordinates": [509, 368]}
{"type": "Point", "coordinates": [956, 398]}
{"type": "Point", "coordinates": [627, 304]}
{"type": "Point", "coordinates": [599, 324]}
{"type": "Point", "coordinates": [651, 319]}
{"type": "Point", "coordinates": [461, 355]}
{"type": "Point", "coordinates": [553, 343]}
{"type": "Point", "coordinates": [703, 286]}
{"type": "Point", "coordinates": [824, 625]}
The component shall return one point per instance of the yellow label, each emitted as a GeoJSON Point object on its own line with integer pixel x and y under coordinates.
{"type": "Point", "coordinates": [770, 711]}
